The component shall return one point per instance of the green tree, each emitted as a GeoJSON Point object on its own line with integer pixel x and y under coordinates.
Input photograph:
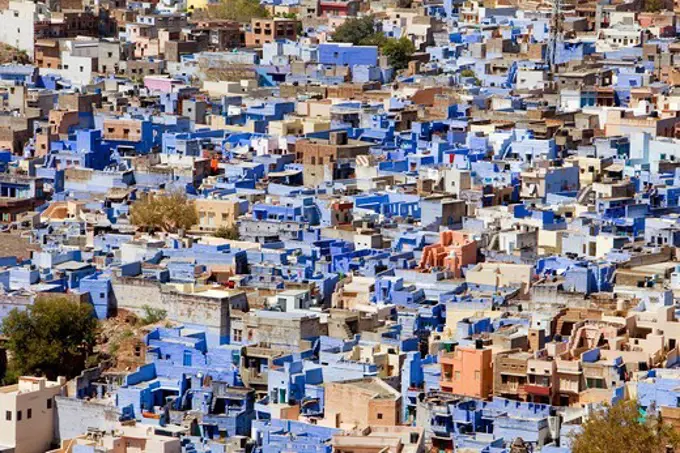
{"type": "Point", "coordinates": [54, 337]}
{"type": "Point", "coordinates": [237, 10]}
{"type": "Point", "coordinates": [359, 31]}
{"type": "Point", "coordinates": [623, 427]}
{"type": "Point", "coordinates": [169, 212]}
{"type": "Point", "coordinates": [228, 233]}
{"type": "Point", "coordinates": [398, 52]}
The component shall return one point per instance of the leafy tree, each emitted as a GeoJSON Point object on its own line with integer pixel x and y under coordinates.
{"type": "Point", "coordinates": [652, 6]}
{"type": "Point", "coordinates": [376, 39]}
{"type": "Point", "coordinates": [357, 31]}
{"type": "Point", "coordinates": [398, 52]}
{"type": "Point", "coordinates": [52, 338]}
{"type": "Point", "coordinates": [623, 427]}
{"type": "Point", "coordinates": [169, 212]}
{"type": "Point", "coordinates": [237, 10]}
{"type": "Point", "coordinates": [228, 233]}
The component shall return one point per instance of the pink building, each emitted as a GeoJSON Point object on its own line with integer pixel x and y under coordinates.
{"type": "Point", "coordinates": [161, 84]}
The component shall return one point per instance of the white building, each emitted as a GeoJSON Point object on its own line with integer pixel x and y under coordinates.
{"type": "Point", "coordinates": [77, 69]}
{"type": "Point", "coordinates": [27, 414]}
{"type": "Point", "coordinates": [18, 24]}
{"type": "Point", "coordinates": [292, 299]}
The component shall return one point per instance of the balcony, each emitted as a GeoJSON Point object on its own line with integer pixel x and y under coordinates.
{"type": "Point", "coordinates": [440, 427]}
{"type": "Point", "coordinates": [538, 390]}
{"type": "Point", "coordinates": [510, 388]}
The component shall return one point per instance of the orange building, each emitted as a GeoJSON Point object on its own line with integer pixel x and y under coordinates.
{"type": "Point", "coordinates": [468, 371]}
{"type": "Point", "coordinates": [453, 251]}
{"type": "Point", "coordinates": [263, 31]}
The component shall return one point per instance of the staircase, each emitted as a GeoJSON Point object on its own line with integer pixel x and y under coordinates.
{"type": "Point", "coordinates": [584, 193]}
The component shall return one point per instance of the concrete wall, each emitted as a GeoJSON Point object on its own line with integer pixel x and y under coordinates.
{"type": "Point", "coordinates": [133, 293]}
{"type": "Point", "coordinates": [193, 309]}
{"type": "Point", "coordinates": [74, 417]}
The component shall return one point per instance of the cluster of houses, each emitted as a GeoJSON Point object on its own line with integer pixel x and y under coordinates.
{"type": "Point", "coordinates": [471, 253]}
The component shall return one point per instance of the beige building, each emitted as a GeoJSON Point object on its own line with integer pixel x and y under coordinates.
{"type": "Point", "coordinates": [298, 126]}
{"type": "Point", "coordinates": [499, 275]}
{"type": "Point", "coordinates": [122, 129]}
{"type": "Point", "coordinates": [385, 357]}
{"type": "Point", "coordinates": [361, 403]}
{"type": "Point", "coordinates": [381, 439]}
{"type": "Point", "coordinates": [124, 439]}
{"type": "Point", "coordinates": [626, 123]}
{"type": "Point", "coordinates": [215, 214]}
{"type": "Point", "coordinates": [27, 414]}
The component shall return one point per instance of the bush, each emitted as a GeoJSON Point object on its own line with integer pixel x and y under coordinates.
{"type": "Point", "coordinates": [469, 73]}
{"type": "Point", "coordinates": [152, 315]}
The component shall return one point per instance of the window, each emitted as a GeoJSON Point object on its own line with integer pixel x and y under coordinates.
{"type": "Point", "coordinates": [8, 416]}
{"type": "Point", "coordinates": [478, 375]}
{"type": "Point", "coordinates": [379, 416]}
{"type": "Point", "coordinates": [102, 295]}
{"type": "Point", "coordinates": [18, 416]}
{"type": "Point", "coordinates": [457, 377]}
{"type": "Point", "coordinates": [49, 403]}
{"type": "Point", "coordinates": [29, 413]}
{"type": "Point", "coordinates": [238, 334]}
